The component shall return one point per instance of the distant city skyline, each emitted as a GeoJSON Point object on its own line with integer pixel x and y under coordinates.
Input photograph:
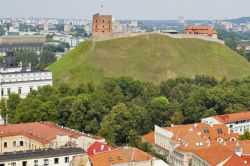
{"type": "Point", "coordinates": [126, 9]}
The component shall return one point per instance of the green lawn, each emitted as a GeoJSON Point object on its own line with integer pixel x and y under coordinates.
{"type": "Point", "coordinates": [150, 58]}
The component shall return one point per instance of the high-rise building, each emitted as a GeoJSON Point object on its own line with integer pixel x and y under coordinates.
{"type": "Point", "coordinates": [181, 20]}
{"type": "Point", "coordinates": [101, 26]}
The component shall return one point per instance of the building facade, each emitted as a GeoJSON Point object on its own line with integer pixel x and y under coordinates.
{"type": "Point", "coordinates": [201, 30]}
{"type": "Point", "coordinates": [15, 78]}
{"type": "Point", "coordinates": [42, 135]}
{"type": "Point", "coordinates": [101, 26]}
{"type": "Point", "coordinates": [238, 122]}
{"type": "Point", "coordinates": [179, 141]}
{"type": "Point", "coordinates": [25, 42]}
{"type": "Point", "coordinates": [44, 157]}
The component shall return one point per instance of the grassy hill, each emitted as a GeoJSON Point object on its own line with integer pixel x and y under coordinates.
{"type": "Point", "coordinates": [150, 58]}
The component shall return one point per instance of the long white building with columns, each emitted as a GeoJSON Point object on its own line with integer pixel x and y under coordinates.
{"type": "Point", "coordinates": [15, 78]}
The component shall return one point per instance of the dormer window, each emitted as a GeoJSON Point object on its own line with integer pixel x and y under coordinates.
{"type": "Point", "coordinates": [219, 131]}
{"type": "Point", "coordinates": [206, 130]}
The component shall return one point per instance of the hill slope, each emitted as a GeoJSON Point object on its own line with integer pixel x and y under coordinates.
{"type": "Point", "coordinates": [148, 57]}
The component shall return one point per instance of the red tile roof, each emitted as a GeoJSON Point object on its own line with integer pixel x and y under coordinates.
{"type": "Point", "coordinates": [235, 160]}
{"type": "Point", "coordinates": [244, 145]}
{"type": "Point", "coordinates": [43, 132]}
{"type": "Point", "coordinates": [190, 135]}
{"type": "Point", "coordinates": [150, 137]}
{"type": "Point", "coordinates": [200, 30]}
{"type": "Point", "coordinates": [214, 154]}
{"type": "Point", "coordinates": [119, 156]}
{"type": "Point", "coordinates": [229, 118]}
{"type": "Point", "coordinates": [98, 147]}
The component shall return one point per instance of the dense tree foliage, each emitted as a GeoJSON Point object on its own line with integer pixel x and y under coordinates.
{"type": "Point", "coordinates": [245, 136]}
{"type": "Point", "coordinates": [122, 109]}
{"type": "Point", "coordinates": [30, 57]}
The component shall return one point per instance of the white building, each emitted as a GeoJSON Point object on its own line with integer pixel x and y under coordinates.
{"type": "Point", "coordinates": [45, 157]}
{"type": "Point", "coordinates": [21, 80]}
{"type": "Point", "coordinates": [68, 27]}
{"type": "Point", "coordinates": [73, 41]}
{"type": "Point", "coordinates": [238, 122]}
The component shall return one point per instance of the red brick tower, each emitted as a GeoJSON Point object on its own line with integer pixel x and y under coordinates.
{"type": "Point", "coordinates": [101, 26]}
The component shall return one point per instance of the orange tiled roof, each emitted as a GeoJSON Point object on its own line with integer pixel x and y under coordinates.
{"type": "Point", "coordinates": [214, 154]}
{"type": "Point", "coordinates": [118, 156]}
{"type": "Point", "coordinates": [197, 136]}
{"type": "Point", "coordinates": [150, 137]}
{"type": "Point", "coordinates": [201, 30]}
{"type": "Point", "coordinates": [198, 130]}
{"type": "Point", "coordinates": [244, 145]}
{"type": "Point", "coordinates": [237, 161]}
{"type": "Point", "coordinates": [228, 118]}
{"type": "Point", "coordinates": [43, 132]}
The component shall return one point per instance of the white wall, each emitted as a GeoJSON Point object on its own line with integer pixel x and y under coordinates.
{"type": "Point", "coordinates": [210, 120]}
{"type": "Point", "coordinates": [25, 81]}
{"type": "Point", "coordinates": [30, 162]}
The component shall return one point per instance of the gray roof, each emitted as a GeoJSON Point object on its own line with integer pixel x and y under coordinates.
{"type": "Point", "coordinates": [40, 153]}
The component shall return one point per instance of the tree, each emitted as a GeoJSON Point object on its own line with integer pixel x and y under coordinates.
{"type": "Point", "coordinates": [3, 110]}
{"type": "Point", "coordinates": [158, 110]}
{"type": "Point", "coordinates": [47, 58]}
{"type": "Point", "coordinates": [117, 125]}
{"type": "Point", "coordinates": [210, 112]}
{"type": "Point", "coordinates": [232, 43]}
{"type": "Point", "coordinates": [245, 136]}
{"type": "Point", "coordinates": [177, 118]}
{"type": "Point", "coordinates": [12, 104]}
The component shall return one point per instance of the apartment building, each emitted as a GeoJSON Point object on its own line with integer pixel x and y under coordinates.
{"type": "Point", "coordinates": [45, 157]}
{"type": "Point", "coordinates": [179, 141]}
{"type": "Point", "coordinates": [42, 135]}
{"type": "Point", "coordinates": [238, 122]}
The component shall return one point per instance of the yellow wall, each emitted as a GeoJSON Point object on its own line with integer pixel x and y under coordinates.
{"type": "Point", "coordinates": [28, 144]}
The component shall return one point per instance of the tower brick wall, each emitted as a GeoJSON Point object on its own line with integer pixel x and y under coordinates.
{"type": "Point", "coordinates": [101, 26]}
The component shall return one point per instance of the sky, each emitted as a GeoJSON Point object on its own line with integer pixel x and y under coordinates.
{"type": "Point", "coordinates": [126, 9]}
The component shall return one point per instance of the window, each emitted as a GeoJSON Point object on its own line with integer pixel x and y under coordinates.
{"type": "Point", "coordinates": [31, 88]}
{"type": "Point", "coordinates": [66, 159]}
{"type": "Point", "coordinates": [13, 164]}
{"type": "Point", "coordinates": [46, 162]}
{"type": "Point", "coordinates": [19, 91]}
{"type": "Point", "coordinates": [56, 160]}
{"type": "Point", "coordinates": [206, 130]}
{"type": "Point", "coordinates": [219, 131]}
{"type": "Point", "coordinates": [8, 91]}
{"type": "Point", "coordinates": [5, 144]}
{"type": "Point", "coordinates": [24, 163]}
{"type": "Point", "coordinates": [14, 143]}
{"type": "Point", "coordinates": [35, 162]}
{"type": "Point", "coordinates": [2, 91]}
{"type": "Point", "coordinates": [21, 143]}
{"type": "Point", "coordinates": [230, 126]}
